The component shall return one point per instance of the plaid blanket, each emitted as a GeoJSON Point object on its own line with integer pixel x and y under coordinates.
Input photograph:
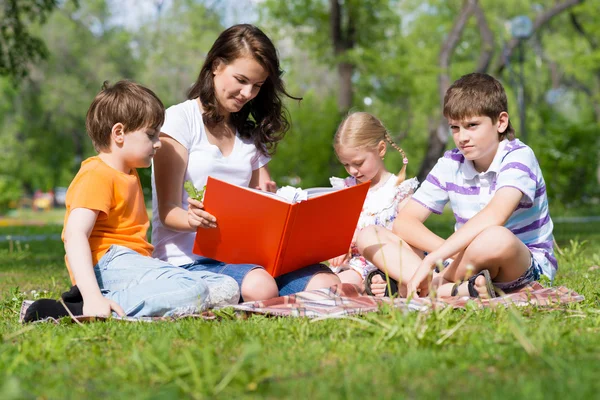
{"type": "Point", "coordinates": [346, 299]}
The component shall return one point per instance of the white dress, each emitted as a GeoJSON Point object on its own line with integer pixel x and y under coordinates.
{"type": "Point", "coordinates": [380, 208]}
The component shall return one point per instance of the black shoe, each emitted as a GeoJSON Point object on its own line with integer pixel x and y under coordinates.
{"type": "Point", "coordinates": [73, 295]}
{"type": "Point", "coordinates": [48, 308]}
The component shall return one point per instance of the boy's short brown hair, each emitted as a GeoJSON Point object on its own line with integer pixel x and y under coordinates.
{"type": "Point", "coordinates": [475, 95]}
{"type": "Point", "coordinates": [129, 103]}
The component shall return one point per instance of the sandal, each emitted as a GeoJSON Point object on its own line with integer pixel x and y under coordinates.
{"type": "Point", "coordinates": [392, 287]}
{"type": "Point", "coordinates": [471, 285]}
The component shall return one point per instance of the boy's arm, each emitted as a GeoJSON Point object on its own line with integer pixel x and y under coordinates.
{"type": "Point", "coordinates": [77, 231]}
{"type": "Point", "coordinates": [496, 213]}
{"type": "Point", "coordinates": [410, 228]}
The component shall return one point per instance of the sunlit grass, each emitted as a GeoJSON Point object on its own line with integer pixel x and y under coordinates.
{"type": "Point", "coordinates": [503, 353]}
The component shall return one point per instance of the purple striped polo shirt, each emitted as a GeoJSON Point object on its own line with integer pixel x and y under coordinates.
{"type": "Point", "coordinates": [455, 180]}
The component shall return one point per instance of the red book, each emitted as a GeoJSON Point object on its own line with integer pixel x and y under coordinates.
{"type": "Point", "coordinates": [255, 227]}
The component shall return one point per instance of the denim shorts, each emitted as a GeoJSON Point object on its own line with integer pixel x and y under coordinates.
{"type": "Point", "coordinates": [533, 273]}
{"type": "Point", "coordinates": [290, 283]}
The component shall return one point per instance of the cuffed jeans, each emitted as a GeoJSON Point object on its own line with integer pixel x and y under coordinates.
{"type": "Point", "coordinates": [148, 287]}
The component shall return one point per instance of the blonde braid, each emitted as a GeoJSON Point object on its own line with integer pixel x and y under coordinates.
{"type": "Point", "coordinates": [402, 173]}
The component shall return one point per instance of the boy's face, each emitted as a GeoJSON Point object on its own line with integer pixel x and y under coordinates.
{"type": "Point", "coordinates": [477, 138]}
{"type": "Point", "coordinates": [139, 147]}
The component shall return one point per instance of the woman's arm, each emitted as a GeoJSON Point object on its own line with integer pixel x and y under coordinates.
{"type": "Point", "coordinates": [170, 164]}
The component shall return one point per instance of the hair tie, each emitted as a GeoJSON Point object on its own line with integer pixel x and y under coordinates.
{"type": "Point", "coordinates": [405, 160]}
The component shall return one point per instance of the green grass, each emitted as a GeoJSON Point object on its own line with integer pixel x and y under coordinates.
{"type": "Point", "coordinates": [524, 353]}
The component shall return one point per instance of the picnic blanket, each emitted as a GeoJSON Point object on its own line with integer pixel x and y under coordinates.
{"type": "Point", "coordinates": [347, 299]}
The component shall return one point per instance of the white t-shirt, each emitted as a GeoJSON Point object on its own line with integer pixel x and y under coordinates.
{"type": "Point", "coordinates": [183, 122]}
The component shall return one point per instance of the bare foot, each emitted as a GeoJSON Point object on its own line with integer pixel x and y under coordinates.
{"type": "Point", "coordinates": [378, 285]}
{"type": "Point", "coordinates": [480, 287]}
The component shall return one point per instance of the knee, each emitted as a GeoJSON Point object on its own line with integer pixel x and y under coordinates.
{"type": "Point", "coordinates": [367, 237]}
{"type": "Point", "coordinates": [258, 285]}
{"type": "Point", "coordinates": [491, 244]}
{"type": "Point", "coordinates": [323, 280]}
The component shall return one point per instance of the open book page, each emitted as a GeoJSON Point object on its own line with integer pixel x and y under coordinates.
{"type": "Point", "coordinates": [293, 195]}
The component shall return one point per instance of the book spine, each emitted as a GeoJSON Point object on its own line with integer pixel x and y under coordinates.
{"type": "Point", "coordinates": [285, 238]}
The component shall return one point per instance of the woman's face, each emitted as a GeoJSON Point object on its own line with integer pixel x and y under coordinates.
{"type": "Point", "coordinates": [237, 83]}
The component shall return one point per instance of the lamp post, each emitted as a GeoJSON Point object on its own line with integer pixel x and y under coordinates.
{"type": "Point", "coordinates": [521, 28]}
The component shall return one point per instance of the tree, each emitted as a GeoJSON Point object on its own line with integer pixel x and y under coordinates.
{"type": "Point", "coordinates": [19, 48]}
{"type": "Point", "coordinates": [438, 136]}
{"type": "Point", "coordinates": [337, 31]}
{"type": "Point", "coordinates": [45, 117]}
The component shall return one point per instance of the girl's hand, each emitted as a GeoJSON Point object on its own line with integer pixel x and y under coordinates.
{"type": "Point", "coordinates": [197, 217]}
{"type": "Point", "coordinates": [267, 186]}
{"type": "Point", "coordinates": [339, 260]}
{"type": "Point", "coordinates": [101, 307]}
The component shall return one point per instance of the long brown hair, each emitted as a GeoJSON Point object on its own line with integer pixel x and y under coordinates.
{"type": "Point", "coordinates": [263, 119]}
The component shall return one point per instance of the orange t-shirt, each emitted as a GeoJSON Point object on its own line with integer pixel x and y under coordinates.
{"type": "Point", "coordinates": [122, 217]}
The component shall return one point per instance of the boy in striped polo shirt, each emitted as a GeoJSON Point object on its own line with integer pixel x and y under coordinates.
{"type": "Point", "coordinates": [497, 193]}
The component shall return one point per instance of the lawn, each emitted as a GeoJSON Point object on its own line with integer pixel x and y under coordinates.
{"type": "Point", "coordinates": [506, 353]}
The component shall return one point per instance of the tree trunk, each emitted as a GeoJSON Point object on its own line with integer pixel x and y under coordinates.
{"type": "Point", "coordinates": [438, 131]}
{"type": "Point", "coordinates": [345, 95]}
{"type": "Point", "coordinates": [343, 40]}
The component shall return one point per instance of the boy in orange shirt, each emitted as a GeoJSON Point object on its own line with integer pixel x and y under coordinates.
{"type": "Point", "coordinates": [106, 222]}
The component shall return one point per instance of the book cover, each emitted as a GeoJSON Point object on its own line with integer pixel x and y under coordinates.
{"type": "Point", "coordinates": [255, 227]}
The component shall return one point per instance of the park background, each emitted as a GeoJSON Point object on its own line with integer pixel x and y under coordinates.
{"type": "Point", "coordinates": [393, 58]}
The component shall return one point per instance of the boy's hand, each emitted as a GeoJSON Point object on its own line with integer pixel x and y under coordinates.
{"type": "Point", "coordinates": [418, 285]}
{"type": "Point", "coordinates": [197, 217]}
{"type": "Point", "coordinates": [339, 260]}
{"type": "Point", "coordinates": [101, 307]}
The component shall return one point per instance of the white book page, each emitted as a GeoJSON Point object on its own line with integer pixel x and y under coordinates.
{"type": "Point", "coordinates": [319, 191]}
{"type": "Point", "coordinates": [291, 195]}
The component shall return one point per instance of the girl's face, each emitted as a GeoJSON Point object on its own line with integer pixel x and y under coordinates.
{"type": "Point", "coordinates": [237, 83]}
{"type": "Point", "coordinates": [363, 164]}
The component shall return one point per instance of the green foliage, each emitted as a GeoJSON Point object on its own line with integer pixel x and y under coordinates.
{"type": "Point", "coordinates": [396, 56]}
{"type": "Point", "coordinates": [568, 154]}
{"type": "Point", "coordinates": [307, 151]}
{"type": "Point", "coordinates": [196, 194]}
{"type": "Point", "coordinates": [44, 120]}
{"type": "Point", "coordinates": [18, 47]}
{"type": "Point", "coordinates": [10, 192]}
{"type": "Point", "coordinates": [172, 48]}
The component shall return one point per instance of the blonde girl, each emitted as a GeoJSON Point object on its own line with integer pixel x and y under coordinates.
{"type": "Point", "coordinates": [360, 144]}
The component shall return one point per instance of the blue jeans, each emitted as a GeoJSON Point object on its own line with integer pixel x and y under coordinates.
{"type": "Point", "coordinates": [148, 287]}
{"type": "Point", "coordinates": [289, 283]}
